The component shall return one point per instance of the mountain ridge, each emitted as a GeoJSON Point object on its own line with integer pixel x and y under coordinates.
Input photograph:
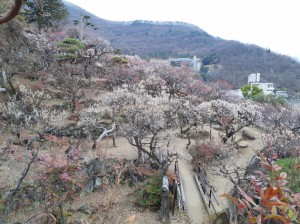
{"type": "Point", "coordinates": [228, 60]}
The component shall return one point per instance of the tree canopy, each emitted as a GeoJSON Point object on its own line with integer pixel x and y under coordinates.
{"type": "Point", "coordinates": [48, 14]}
{"type": "Point", "coordinates": [250, 92]}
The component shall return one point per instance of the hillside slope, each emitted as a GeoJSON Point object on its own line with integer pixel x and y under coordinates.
{"type": "Point", "coordinates": [233, 61]}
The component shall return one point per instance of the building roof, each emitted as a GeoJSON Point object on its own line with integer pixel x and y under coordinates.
{"type": "Point", "coordinates": [182, 59]}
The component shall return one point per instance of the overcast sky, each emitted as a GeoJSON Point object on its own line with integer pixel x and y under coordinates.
{"type": "Point", "coordinates": [273, 24]}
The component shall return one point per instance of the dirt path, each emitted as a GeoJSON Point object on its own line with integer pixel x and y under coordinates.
{"type": "Point", "coordinates": [195, 207]}
{"type": "Point", "coordinates": [222, 185]}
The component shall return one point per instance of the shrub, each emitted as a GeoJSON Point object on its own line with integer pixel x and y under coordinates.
{"type": "Point", "coordinates": [289, 165]}
{"type": "Point", "coordinates": [276, 203]}
{"type": "Point", "coordinates": [203, 152]}
{"type": "Point", "coordinates": [272, 99]}
{"type": "Point", "coordinates": [149, 194]}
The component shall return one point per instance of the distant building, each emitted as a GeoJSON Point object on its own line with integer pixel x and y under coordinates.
{"type": "Point", "coordinates": [281, 93]}
{"type": "Point", "coordinates": [178, 62]}
{"type": "Point", "coordinates": [267, 87]}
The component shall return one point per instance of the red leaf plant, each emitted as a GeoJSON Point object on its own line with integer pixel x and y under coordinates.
{"type": "Point", "coordinates": [276, 202]}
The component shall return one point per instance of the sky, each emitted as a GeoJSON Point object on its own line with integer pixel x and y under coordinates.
{"type": "Point", "coordinates": [271, 24]}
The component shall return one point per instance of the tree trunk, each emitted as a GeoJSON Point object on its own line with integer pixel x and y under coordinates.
{"type": "Point", "coordinates": [61, 211]}
{"type": "Point", "coordinates": [140, 155]}
{"type": "Point", "coordinates": [73, 106]}
{"type": "Point", "coordinates": [114, 133]}
{"type": "Point", "coordinates": [94, 144]}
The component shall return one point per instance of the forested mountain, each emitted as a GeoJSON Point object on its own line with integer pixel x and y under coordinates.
{"type": "Point", "coordinates": [86, 131]}
{"type": "Point", "coordinates": [223, 59]}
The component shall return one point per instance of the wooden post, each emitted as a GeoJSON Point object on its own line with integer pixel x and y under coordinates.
{"type": "Point", "coordinates": [160, 163]}
{"type": "Point", "coordinates": [114, 133]}
{"type": "Point", "coordinates": [182, 196]}
{"type": "Point", "coordinates": [61, 211]}
{"type": "Point", "coordinates": [175, 196]}
{"type": "Point", "coordinates": [209, 198]}
{"type": "Point", "coordinates": [210, 131]}
{"type": "Point", "coordinates": [164, 210]}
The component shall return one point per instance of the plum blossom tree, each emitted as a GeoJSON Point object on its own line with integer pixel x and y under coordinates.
{"type": "Point", "coordinates": [93, 55]}
{"type": "Point", "coordinates": [176, 79]}
{"type": "Point", "coordinates": [61, 175]}
{"type": "Point", "coordinates": [27, 109]}
{"type": "Point", "coordinates": [125, 70]}
{"type": "Point", "coordinates": [143, 120]}
{"type": "Point", "coordinates": [232, 117]}
{"type": "Point", "coordinates": [153, 85]}
{"type": "Point", "coordinates": [92, 120]}
{"type": "Point", "coordinates": [281, 130]}
{"type": "Point", "coordinates": [147, 120]}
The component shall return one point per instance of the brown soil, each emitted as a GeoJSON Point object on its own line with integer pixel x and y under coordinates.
{"type": "Point", "coordinates": [123, 209]}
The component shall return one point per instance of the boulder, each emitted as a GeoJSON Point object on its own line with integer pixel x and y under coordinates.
{"type": "Point", "coordinates": [248, 135]}
{"type": "Point", "coordinates": [243, 144]}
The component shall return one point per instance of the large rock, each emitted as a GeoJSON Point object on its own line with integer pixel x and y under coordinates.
{"type": "Point", "coordinates": [248, 135]}
{"type": "Point", "coordinates": [243, 144]}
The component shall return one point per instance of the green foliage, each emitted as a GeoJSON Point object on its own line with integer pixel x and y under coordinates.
{"type": "Point", "coordinates": [250, 93]}
{"type": "Point", "coordinates": [270, 99]}
{"type": "Point", "coordinates": [117, 51]}
{"type": "Point", "coordinates": [46, 14]}
{"type": "Point", "coordinates": [56, 213]}
{"type": "Point", "coordinates": [289, 165]}
{"type": "Point", "coordinates": [204, 73]}
{"type": "Point", "coordinates": [149, 195]}
{"type": "Point", "coordinates": [118, 59]}
{"type": "Point", "coordinates": [84, 22]}
{"type": "Point", "coordinates": [276, 203]}
{"type": "Point", "coordinates": [159, 54]}
{"type": "Point", "coordinates": [256, 94]}
{"type": "Point", "coordinates": [70, 47]}
{"type": "Point", "coordinates": [245, 90]}
{"type": "Point", "coordinates": [211, 59]}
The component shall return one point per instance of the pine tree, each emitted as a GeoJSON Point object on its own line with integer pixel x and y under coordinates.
{"type": "Point", "coordinates": [47, 13]}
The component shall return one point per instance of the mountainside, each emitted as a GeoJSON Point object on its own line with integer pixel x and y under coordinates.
{"type": "Point", "coordinates": [223, 59]}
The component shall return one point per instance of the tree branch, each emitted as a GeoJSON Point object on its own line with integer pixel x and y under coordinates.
{"type": "Point", "coordinates": [106, 132]}
{"type": "Point", "coordinates": [13, 12]}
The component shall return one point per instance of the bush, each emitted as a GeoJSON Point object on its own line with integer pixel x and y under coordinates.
{"type": "Point", "coordinates": [270, 99]}
{"type": "Point", "coordinates": [270, 201]}
{"type": "Point", "coordinates": [205, 152]}
{"type": "Point", "coordinates": [289, 165]}
{"type": "Point", "coordinates": [149, 194]}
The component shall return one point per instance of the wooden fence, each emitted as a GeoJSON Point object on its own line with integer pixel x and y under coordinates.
{"type": "Point", "coordinates": [213, 206]}
{"type": "Point", "coordinates": [178, 193]}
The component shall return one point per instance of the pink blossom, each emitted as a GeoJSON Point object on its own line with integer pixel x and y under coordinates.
{"type": "Point", "coordinates": [65, 176]}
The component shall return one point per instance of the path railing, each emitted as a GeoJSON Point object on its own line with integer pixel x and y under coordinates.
{"type": "Point", "coordinates": [178, 193]}
{"type": "Point", "coordinates": [211, 201]}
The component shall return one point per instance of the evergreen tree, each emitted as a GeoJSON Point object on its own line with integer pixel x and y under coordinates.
{"type": "Point", "coordinates": [250, 92]}
{"type": "Point", "coordinates": [47, 13]}
{"type": "Point", "coordinates": [69, 49]}
{"type": "Point", "coordinates": [84, 24]}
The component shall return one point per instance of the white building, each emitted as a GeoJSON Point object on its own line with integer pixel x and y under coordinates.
{"type": "Point", "coordinates": [267, 87]}
{"type": "Point", "coordinates": [194, 63]}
